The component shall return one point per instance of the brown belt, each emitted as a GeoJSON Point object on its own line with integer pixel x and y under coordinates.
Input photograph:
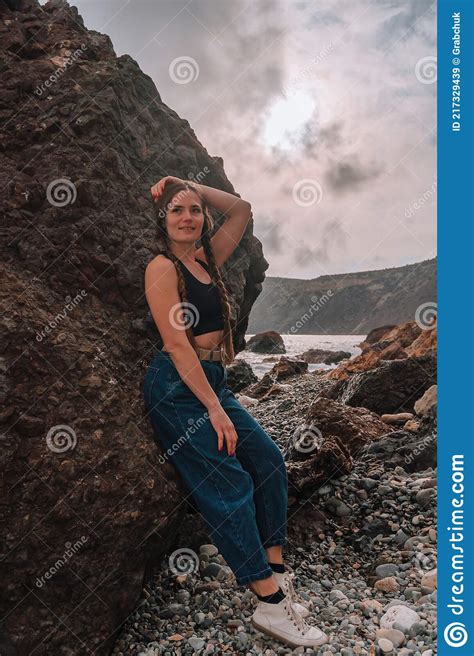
{"type": "Point", "coordinates": [210, 354]}
{"type": "Point", "coordinates": [216, 355]}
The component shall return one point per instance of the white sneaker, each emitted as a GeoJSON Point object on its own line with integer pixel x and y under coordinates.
{"type": "Point", "coordinates": [285, 581]}
{"type": "Point", "coordinates": [281, 621]}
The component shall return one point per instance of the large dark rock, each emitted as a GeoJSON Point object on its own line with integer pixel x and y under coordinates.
{"type": "Point", "coordinates": [412, 451]}
{"type": "Point", "coordinates": [80, 150]}
{"type": "Point", "coordinates": [267, 342]}
{"type": "Point", "coordinates": [14, 5]}
{"type": "Point", "coordinates": [332, 459]}
{"type": "Point", "coordinates": [354, 426]}
{"type": "Point", "coordinates": [323, 356]}
{"type": "Point", "coordinates": [406, 340]}
{"type": "Point", "coordinates": [240, 375]}
{"type": "Point", "coordinates": [268, 385]}
{"type": "Point", "coordinates": [392, 386]}
{"type": "Point", "coordinates": [375, 336]}
{"type": "Point", "coordinates": [331, 438]}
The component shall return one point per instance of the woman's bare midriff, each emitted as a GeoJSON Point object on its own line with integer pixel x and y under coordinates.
{"type": "Point", "coordinates": [210, 340]}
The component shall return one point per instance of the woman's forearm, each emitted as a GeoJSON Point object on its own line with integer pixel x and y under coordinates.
{"type": "Point", "coordinates": [190, 369]}
{"type": "Point", "coordinates": [224, 202]}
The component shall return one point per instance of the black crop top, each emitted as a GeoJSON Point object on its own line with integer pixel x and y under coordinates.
{"type": "Point", "coordinates": [205, 298]}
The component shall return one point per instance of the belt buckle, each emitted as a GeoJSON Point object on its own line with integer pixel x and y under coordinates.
{"type": "Point", "coordinates": [204, 354]}
{"type": "Point", "coordinates": [214, 355]}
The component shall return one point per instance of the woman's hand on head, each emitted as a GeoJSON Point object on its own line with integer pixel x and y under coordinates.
{"type": "Point", "coordinates": [224, 428]}
{"type": "Point", "coordinates": [157, 189]}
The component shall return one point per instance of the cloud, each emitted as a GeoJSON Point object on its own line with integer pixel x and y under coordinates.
{"type": "Point", "coordinates": [269, 231]}
{"type": "Point", "coordinates": [404, 22]}
{"type": "Point", "coordinates": [370, 137]}
{"type": "Point", "coordinates": [332, 239]}
{"type": "Point", "coordinates": [350, 174]}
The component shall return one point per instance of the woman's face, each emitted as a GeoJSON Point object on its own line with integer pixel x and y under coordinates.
{"type": "Point", "coordinates": [184, 217]}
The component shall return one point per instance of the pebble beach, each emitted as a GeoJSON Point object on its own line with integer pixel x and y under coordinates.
{"type": "Point", "coordinates": [370, 569]}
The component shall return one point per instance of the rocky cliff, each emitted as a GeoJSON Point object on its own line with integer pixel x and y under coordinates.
{"type": "Point", "coordinates": [344, 304]}
{"type": "Point", "coordinates": [87, 507]}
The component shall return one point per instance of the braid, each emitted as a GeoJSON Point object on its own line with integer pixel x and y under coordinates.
{"type": "Point", "coordinates": [216, 279]}
{"type": "Point", "coordinates": [227, 340]}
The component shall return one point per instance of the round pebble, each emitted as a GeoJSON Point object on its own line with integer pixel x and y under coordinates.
{"type": "Point", "coordinates": [385, 645]}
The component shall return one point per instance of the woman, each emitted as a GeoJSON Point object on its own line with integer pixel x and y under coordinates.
{"type": "Point", "coordinates": [242, 494]}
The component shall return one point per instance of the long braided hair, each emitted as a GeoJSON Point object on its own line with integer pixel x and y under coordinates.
{"type": "Point", "coordinates": [161, 205]}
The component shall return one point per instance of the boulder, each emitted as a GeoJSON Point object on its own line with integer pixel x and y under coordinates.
{"type": "Point", "coordinates": [89, 507]}
{"type": "Point", "coordinates": [391, 387]}
{"type": "Point", "coordinates": [325, 445]}
{"type": "Point", "coordinates": [268, 385]}
{"type": "Point", "coordinates": [412, 451]}
{"type": "Point", "coordinates": [240, 375]}
{"type": "Point", "coordinates": [267, 342]}
{"type": "Point", "coordinates": [355, 427]}
{"type": "Point", "coordinates": [323, 356]}
{"type": "Point", "coordinates": [375, 336]}
{"type": "Point", "coordinates": [393, 351]}
{"type": "Point", "coordinates": [403, 334]}
{"type": "Point", "coordinates": [426, 342]}
{"type": "Point", "coordinates": [427, 403]}
{"type": "Point", "coordinates": [331, 459]}
{"type": "Point", "coordinates": [387, 343]}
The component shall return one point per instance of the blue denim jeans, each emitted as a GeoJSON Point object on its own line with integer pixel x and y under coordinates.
{"type": "Point", "coordinates": [243, 498]}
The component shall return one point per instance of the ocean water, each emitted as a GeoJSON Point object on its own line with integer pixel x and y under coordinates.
{"type": "Point", "coordinates": [297, 344]}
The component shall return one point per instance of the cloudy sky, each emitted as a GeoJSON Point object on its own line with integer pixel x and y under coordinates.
{"type": "Point", "coordinates": [323, 111]}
